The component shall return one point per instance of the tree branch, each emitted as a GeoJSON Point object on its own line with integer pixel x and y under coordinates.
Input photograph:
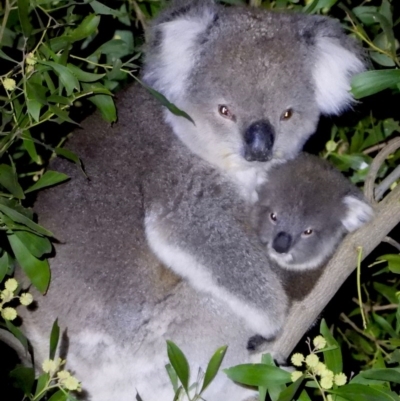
{"type": "Point", "coordinates": [303, 313]}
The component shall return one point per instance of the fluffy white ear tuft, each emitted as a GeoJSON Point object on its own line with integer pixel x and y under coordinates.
{"type": "Point", "coordinates": [178, 52]}
{"type": "Point", "coordinates": [358, 213]}
{"type": "Point", "coordinates": [332, 74]}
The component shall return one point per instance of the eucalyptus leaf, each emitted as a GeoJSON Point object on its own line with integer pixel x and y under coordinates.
{"type": "Point", "coordinates": [371, 82]}
{"type": "Point", "coordinates": [48, 179]}
{"type": "Point", "coordinates": [289, 392]}
{"type": "Point", "coordinates": [258, 375]}
{"type": "Point", "coordinates": [17, 333]}
{"type": "Point", "coordinates": [54, 338]}
{"type": "Point", "coordinates": [9, 180]}
{"type": "Point", "coordinates": [333, 357]}
{"type": "Point", "coordinates": [360, 392]}
{"type": "Point", "coordinates": [36, 245]}
{"type": "Point", "coordinates": [213, 367]}
{"type": "Point", "coordinates": [4, 262]}
{"type": "Point", "coordinates": [179, 363]}
{"type": "Point", "coordinates": [38, 271]}
{"type": "Point", "coordinates": [86, 28]}
{"type": "Point", "coordinates": [23, 13]}
{"type": "Point", "coordinates": [23, 378]}
{"type": "Point", "coordinates": [59, 396]}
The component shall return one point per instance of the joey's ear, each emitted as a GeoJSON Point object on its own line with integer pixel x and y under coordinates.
{"type": "Point", "coordinates": [358, 213]}
{"type": "Point", "coordinates": [174, 45]}
{"type": "Point", "coordinates": [337, 59]}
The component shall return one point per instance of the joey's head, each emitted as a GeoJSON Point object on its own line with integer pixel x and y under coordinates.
{"type": "Point", "coordinates": [254, 82]}
{"type": "Point", "coordinates": [303, 211]}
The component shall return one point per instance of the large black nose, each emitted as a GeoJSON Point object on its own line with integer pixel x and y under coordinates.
{"type": "Point", "coordinates": [259, 140]}
{"type": "Point", "coordinates": [282, 242]}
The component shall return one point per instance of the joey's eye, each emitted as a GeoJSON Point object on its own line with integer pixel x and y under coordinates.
{"type": "Point", "coordinates": [287, 114]}
{"type": "Point", "coordinates": [308, 232]}
{"type": "Point", "coordinates": [273, 217]}
{"type": "Point", "coordinates": [225, 112]}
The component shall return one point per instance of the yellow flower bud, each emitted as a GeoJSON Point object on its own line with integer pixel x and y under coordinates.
{"type": "Point", "coordinates": [319, 342]}
{"type": "Point", "coordinates": [312, 360]}
{"type": "Point", "coordinates": [30, 59]}
{"type": "Point", "coordinates": [340, 379]}
{"type": "Point", "coordinates": [6, 295]}
{"type": "Point", "coordinates": [327, 373]}
{"type": "Point", "coordinates": [296, 375]}
{"type": "Point", "coordinates": [320, 368]}
{"type": "Point", "coordinates": [326, 383]}
{"type": "Point", "coordinates": [26, 299]}
{"type": "Point", "coordinates": [9, 313]}
{"type": "Point", "coordinates": [71, 383]}
{"type": "Point", "coordinates": [297, 359]}
{"type": "Point", "coordinates": [11, 284]}
{"type": "Point", "coordinates": [49, 366]}
{"type": "Point", "coordinates": [9, 84]}
{"type": "Point", "coordinates": [64, 374]}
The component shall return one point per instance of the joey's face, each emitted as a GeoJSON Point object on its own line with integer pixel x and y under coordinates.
{"type": "Point", "coordinates": [294, 239]}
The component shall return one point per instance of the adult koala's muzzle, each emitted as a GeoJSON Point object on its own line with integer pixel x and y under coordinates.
{"type": "Point", "coordinates": [259, 140]}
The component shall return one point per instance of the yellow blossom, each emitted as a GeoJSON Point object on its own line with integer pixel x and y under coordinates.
{"type": "Point", "coordinates": [340, 379]}
{"type": "Point", "coordinates": [320, 368]}
{"type": "Point", "coordinates": [326, 383]}
{"type": "Point", "coordinates": [64, 374]}
{"type": "Point", "coordinates": [319, 342]}
{"type": "Point", "coordinates": [29, 68]}
{"type": "Point", "coordinates": [49, 366]}
{"type": "Point", "coordinates": [30, 59]}
{"type": "Point", "coordinates": [296, 375]}
{"type": "Point", "coordinates": [297, 359]}
{"type": "Point", "coordinates": [9, 313]}
{"type": "Point", "coordinates": [11, 284]}
{"type": "Point", "coordinates": [6, 295]}
{"type": "Point", "coordinates": [329, 397]}
{"type": "Point", "coordinates": [71, 383]}
{"type": "Point", "coordinates": [312, 360]}
{"type": "Point", "coordinates": [9, 84]}
{"type": "Point", "coordinates": [327, 373]}
{"type": "Point", "coordinates": [26, 298]}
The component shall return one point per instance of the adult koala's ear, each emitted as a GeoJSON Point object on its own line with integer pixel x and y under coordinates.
{"type": "Point", "coordinates": [358, 213]}
{"type": "Point", "coordinates": [174, 45]}
{"type": "Point", "coordinates": [337, 58]}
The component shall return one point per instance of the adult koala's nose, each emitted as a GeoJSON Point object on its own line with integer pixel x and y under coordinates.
{"type": "Point", "coordinates": [282, 242]}
{"type": "Point", "coordinates": [259, 140]}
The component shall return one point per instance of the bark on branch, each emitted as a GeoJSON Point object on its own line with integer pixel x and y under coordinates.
{"type": "Point", "coordinates": [305, 312]}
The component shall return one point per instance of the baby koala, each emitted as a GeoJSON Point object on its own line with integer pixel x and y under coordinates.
{"type": "Point", "coordinates": [304, 210]}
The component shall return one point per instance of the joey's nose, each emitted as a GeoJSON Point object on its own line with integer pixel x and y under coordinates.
{"type": "Point", "coordinates": [259, 140]}
{"type": "Point", "coordinates": [282, 242]}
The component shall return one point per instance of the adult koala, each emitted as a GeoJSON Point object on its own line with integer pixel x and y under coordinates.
{"type": "Point", "coordinates": [164, 189]}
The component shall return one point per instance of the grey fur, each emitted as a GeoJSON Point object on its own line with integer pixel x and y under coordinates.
{"type": "Point", "coordinates": [182, 194]}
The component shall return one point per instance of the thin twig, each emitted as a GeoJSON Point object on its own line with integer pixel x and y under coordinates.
{"type": "Point", "coordinates": [387, 183]}
{"type": "Point", "coordinates": [392, 242]}
{"type": "Point", "coordinates": [374, 148]}
{"type": "Point", "coordinates": [376, 308]}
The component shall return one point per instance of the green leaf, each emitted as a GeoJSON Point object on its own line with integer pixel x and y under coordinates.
{"type": "Point", "coordinates": [384, 325]}
{"type": "Point", "coordinates": [213, 367]}
{"type": "Point", "coordinates": [58, 396]}
{"type": "Point", "coordinates": [5, 57]}
{"type": "Point", "coordinates": [23, 378]}
{"type": "Point", "coordinates": [393, 262]}
{"type": "Point", "coordinates": [333, 357]}
{"type": "Point", "coordinates": [68, 155]}
{"type": "Point", "coordinates": [9, 180]}
{"type": "Point", "coordinates": [360, 392]}
{"type": "Point", "coordinates": [54, 337]}
{"type": "Point", "coordinates": [48, 179]}
{"type": "Point", "coordinates": [179, 363]}
{"type": "Point", "coordinates": [36, 245]}
{"type": "Point", "coordinates": [258, 375]}
{"type": "Point", "coordinates": [41, 385]}
{"type": "Point", "coordinates": [365, 14]}
{"type": "Point", "coordinates": [4, 262]}
{"type": "Point", "coordinates": [106, 106]}
{"type": "Point", "coordinates": [33, 108]}
{"type": "Point", "coordinates": [20, 218]}
{"type": "Point", "coordinates": [172, 377]}
{"type": "Point", "coordinates": [304, 396]}
{"type": "Point", "coordinates": [100, 8]}
{"type": "Point", "coordinates": [389, 374]}
{"type": "Point", "coordinates": [23, 13]}
{"type": "Point", "coordinates": [37, 270]}
{"type": "Point", "coordinates": [87, 27]}
{"type": "Point", "coordinates": [29, 146]}
{"type": "Point", "coordinates": [17, 333]}
{"type": "Point", "coordinates": [165, 102]}
{"type": "Point", "coordinates": [83, 75]}
{"type": "Point", "coordinates": [370, 82]}
{"type": "Point", "coordinates": [387, 291]}
{"type": "Point", "coordinates": [61, 114]}
{"type": "Point", "coordinates": [67, 78]}
{"type": "Point", "coordinates": [289, 392]}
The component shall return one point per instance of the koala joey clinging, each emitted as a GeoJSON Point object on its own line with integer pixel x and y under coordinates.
{"type": "Point", "coordinates": [304, 210]}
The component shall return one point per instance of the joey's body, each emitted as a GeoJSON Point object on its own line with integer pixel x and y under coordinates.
{"type": "Point", "coordinates": [166, 192]}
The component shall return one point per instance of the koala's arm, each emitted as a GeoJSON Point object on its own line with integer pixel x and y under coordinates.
{"type": "Point", "coordinates": [201, 233]}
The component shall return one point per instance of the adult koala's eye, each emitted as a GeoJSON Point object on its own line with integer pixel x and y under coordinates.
{"type": "Point", "coordinates": [273, 217]}
{"type": "Point", "coordinates": [287, 114]}
{"type": "Point", "coordinates": [308, 232]}
{"type": "Point", "coordinates": [225, 112]}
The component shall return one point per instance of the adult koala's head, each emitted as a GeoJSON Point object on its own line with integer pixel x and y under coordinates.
{"type": "Point", "coordinates": [254, 82]}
